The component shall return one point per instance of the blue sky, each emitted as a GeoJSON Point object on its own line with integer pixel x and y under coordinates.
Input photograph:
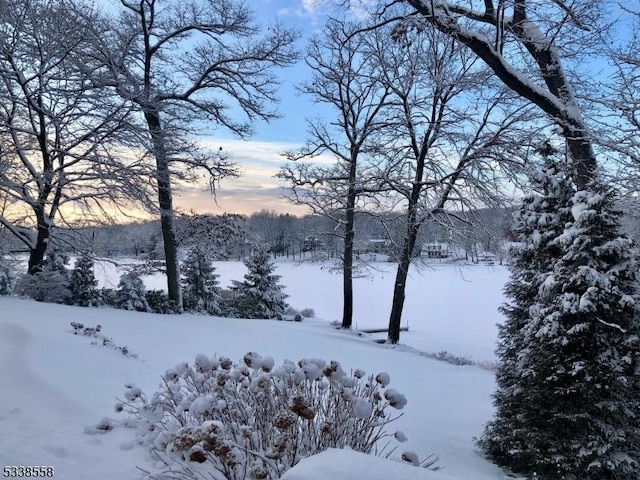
{"type": "Point", "coordinates": [259, 156]}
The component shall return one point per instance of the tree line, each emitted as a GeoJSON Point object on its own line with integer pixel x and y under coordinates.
{"type": "Point", "coordinates": [98, 108]}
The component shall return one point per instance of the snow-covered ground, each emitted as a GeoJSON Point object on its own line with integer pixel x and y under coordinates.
{"type": "Point", "coordinates": [53, 384]}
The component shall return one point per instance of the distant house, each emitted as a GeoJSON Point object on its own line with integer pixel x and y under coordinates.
{"type": "Point", "coordinates": [435, 250]}
{"type": "Point", "coordinates": [312, 243]}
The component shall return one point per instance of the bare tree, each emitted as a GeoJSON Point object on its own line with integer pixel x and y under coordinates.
{"type": "Point", "coordinates": [454, 140]}
{"type": "Point", "coordinates": [525, 43]}
{"type": "Point", "coordinates": [185, 61]}
{"type": "Point", "coordinates": [619, 127]}
{"type": "Point", "coordinates": [345, 78]}
{"type": "Point", "coordinates": [61, 136]}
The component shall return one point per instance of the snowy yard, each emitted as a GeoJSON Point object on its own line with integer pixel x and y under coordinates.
{"type": "Point", "coordinates": [55, 384]}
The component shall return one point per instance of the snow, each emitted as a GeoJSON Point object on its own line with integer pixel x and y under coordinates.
{"type": "Point", "coordinates": [447, 307]}
{"type": "Point", "coordinates": [338, 464]}
{"type": "Point", "coordinates": [56, 384]}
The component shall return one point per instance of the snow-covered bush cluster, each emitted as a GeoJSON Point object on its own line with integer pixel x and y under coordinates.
{"type": "Point", "coordinates": [253, 420]}
{"type": "Point", "coordinates": [259, 295]}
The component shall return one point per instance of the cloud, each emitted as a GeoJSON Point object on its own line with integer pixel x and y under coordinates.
{"type": "Point", "coordinates": [256, 189]}
{"type": "Point", "coordinates": [315, 9]}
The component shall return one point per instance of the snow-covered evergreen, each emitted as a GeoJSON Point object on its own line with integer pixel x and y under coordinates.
{"type": "Point", "coordinates": [7, 280]}
{"type": "Point", "coordinates": [83, 283]}
{"type": "Point", "coordinates": [259, 295]}
{"type": "Point", "coordinates": [568, 388]}
{"type": "Point", "coordinates": [51, 283]}
{"type": "Point", "coordinates": [200, 291]}
{"type": "Point", "coordinates": [131, 293]}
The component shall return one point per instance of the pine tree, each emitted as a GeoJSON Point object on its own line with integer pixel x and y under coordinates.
{"type": "Point", "coordinates": [200, 291]}
{"type": "Point", "coordinates": [568, 389]}
{"type": "Point", "coordinates": [7, 280]}
{"type": "Point", "coordinates": [83, 283]}
{"type": "Point", "coordinates": [259, 295]}
{"type": "Point", "coordinates": [57, 261]}
{"type": "Point", "coordinates": [131, 293]}
{"type": "Point", "coordinates": [51, 283]}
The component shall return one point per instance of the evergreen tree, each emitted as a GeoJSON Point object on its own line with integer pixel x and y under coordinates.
{"type": "Point", "coordinates": [50, 284]}
{"type": "Point", "coordinates": [57, 261]}
{"type": "Point", "coordinates": [7, 280]}
{"type": "Point", "coordinates": [259, 295]}
{"type": "Point", "coordinates": [200, 283]}
{"type": "Point", "coordinates": [568, 388]}
{"type": "Point", "coordinates": [83, 283]}
{"type": "Point", "coordinates": [131, 293]}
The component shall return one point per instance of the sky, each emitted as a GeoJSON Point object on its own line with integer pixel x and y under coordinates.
{"type": "Point", "coordinates": [259, 157]}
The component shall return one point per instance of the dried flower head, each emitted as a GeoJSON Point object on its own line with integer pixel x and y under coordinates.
{"type": "Point", "coordinates": [225, 363]}
{"type": "Point", "coordinates": [198, 456]}
{"type": "Point", "coordinates": [258, 472]}
{"type": "Point", "coordinates": [301, 408]}
{"type": "Point", "coordinates": [383, 379]}
{"type": "Point", "coordinates": [326, 427]}
{"type": "Point", "coordinates": [222, 379]}
{"type": "Point", "coordinates": [284, 419]}
{"type": "Point", "coordinates": [252, 360]}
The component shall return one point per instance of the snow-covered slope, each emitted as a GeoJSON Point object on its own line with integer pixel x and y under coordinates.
{"type": "Point", "coordinates": [53, 383]}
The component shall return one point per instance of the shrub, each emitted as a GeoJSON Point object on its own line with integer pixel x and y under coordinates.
{"type": "Point", "coordinates": [50, 286]}
{"type": "Point", "coordinates": [83, 283]}
{"type": "Point", "coordinates": [308, 313]}
{"type": "Point", "coordinates": [108, 297]}
{"type": "Point", "coordinates": [251, 420]}
{"type": "Point", "coordinates": [131, 293]}
{"type": "Point", "coordinates": [7, 280]}
{"type": "Point", "coordinates": [159, 302]}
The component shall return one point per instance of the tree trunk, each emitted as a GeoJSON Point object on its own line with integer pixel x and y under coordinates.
{"type": "Point", "coordinates": [400, 284]}
{"type": "Point", "coordinates": [36, 254]}
{"type": "Point", "coordinates": [347, 261]}
{"type": "Point", "coordinates": [560, 105]}
{"type": "Point", "coordinates": [165, 204]}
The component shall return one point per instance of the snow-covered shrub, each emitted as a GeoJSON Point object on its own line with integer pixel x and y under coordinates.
{"type": "Point", "coordinates": [131, 293]}
{"type": "Point", "coordinates": [308, 313]}
{"type": "Point", "coordinates": [83, 283]}
{"type": "Point", "coordinates": [7, 280]}
{"type": "Point", "coordinates": [251, 420]}
{"type": "Point", "coordinates": [108, 297]}
{"type": "Point", "coordinates": [447, 357]}
{"type": "Point", "coordinates": [159, 302]}
{"type": "Point", "coordinates": [200, 291]}
{"type": "Point", "coordinates": [50, 284]}
{"type": "Point", "coordinates": [259, 295]}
